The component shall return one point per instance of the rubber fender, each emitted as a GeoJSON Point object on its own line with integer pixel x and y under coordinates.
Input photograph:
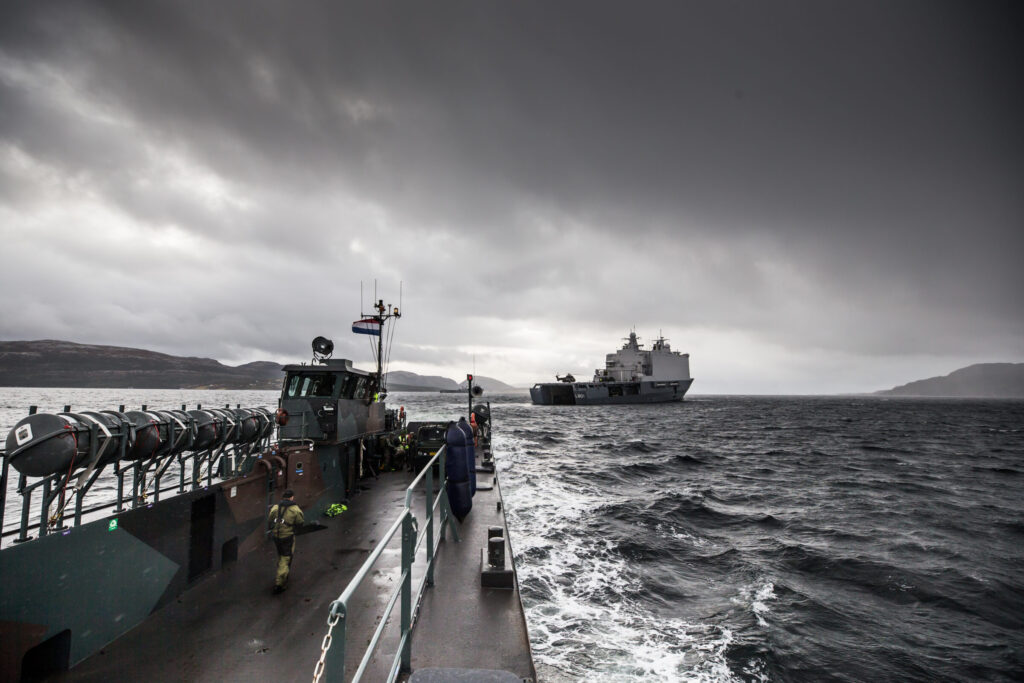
{"type": "Point", "coordinates": [455, 467]}
{"type": "Point", "coordinates": [459, 498]}
{"type": "Point", "coordinates": [467, 432]}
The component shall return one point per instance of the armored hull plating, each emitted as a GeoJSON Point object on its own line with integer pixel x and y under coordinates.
{"type": "Point", "coordinates": [631, 375]}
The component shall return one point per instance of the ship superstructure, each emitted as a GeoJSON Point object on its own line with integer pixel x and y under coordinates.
{"type": "Point", "coordinates": [631, 374]}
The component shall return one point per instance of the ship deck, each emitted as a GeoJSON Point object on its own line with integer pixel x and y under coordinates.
{"type": "Point", "coordinates": [231, 627]}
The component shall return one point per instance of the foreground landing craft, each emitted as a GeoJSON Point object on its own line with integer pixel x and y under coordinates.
{"type": "Point", "coordinates": [145, 586]}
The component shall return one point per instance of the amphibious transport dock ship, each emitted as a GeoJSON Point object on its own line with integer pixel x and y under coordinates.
{"type": "Point", "coordinates": [171, 580]}
{"type": "Point", "coordinates": [631, 375]}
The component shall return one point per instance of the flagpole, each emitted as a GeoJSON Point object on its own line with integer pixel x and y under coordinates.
{"type": "Point", "coordinates": [378, 319]}
{"type": "Point", "coordinates": [380, 342]}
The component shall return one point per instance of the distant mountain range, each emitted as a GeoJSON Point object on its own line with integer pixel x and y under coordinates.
{"type": "Point", "coordinates": [984, 380]}
{"type": "Point", "coordinates": [489, 384]}
{"type": "Point", "coordinates": [51, 363]}
{"type": "Point", "coordinates": [401, 380]}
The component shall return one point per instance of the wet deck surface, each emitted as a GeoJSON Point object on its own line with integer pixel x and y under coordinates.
{"type": "Point", "coordinates": [231, 626]}
{"type": "Point", "coordinates": [461, 624]}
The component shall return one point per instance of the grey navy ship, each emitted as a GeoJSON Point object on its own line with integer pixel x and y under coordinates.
{"type": "Point", "coordinates": [631, 375]}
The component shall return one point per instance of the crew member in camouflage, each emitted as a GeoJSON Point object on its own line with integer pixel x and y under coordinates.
{"type": "Point", "coordinates": [284, 518]}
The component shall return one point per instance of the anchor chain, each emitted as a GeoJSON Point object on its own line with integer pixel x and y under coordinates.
{"type": "Point", "coordinates": [332, 621]}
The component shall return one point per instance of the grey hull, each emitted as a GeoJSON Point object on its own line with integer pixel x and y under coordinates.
{"type": "Point", "coordinates": [608, 393]}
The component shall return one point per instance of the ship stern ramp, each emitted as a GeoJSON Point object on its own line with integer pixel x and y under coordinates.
{"type": "Point", "coordinates": [553, 394]}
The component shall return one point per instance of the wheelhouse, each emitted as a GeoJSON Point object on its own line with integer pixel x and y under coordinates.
{"type": "Point", "coordinates": [328, 402]}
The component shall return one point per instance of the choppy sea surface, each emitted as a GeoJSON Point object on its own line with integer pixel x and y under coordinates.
{"type": "Point", "coordinates": [744, 538]}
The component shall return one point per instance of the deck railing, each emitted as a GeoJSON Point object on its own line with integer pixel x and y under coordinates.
{"type": "Point", "coordinates": [334, 650]}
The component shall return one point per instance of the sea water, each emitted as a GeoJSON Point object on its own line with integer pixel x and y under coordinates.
{"type": "Point", "coordinates": [742, 538]}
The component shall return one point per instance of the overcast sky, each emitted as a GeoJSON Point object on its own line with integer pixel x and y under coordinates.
{"type": "Point", "coordinates": [807, 197]}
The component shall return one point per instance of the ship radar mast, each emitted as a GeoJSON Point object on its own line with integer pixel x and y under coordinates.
{"type": "Point", "coordinates": [381, 314]}
{"type": "Point", "coordinates": [632, 341]}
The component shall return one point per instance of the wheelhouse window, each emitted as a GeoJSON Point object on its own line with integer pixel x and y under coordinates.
{"type": "Point", "coordinates": [348, 386]}
{"type": "Point", "coordinates": [310, 384]}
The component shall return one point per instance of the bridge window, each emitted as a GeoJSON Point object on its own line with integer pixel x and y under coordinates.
{"type": "Point", "coordinates": [348, 386]}
{"type": "Point", "coordinates": [319, 384]}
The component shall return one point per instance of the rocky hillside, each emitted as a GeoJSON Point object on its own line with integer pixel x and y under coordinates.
{"type": "Point", "coordinates": [984, 380]}
{"type": "Point", "coordinates": [400, 380]}
{"type": "Point", "coordinates": [50, 363]}
{"type": "Point", "coordinates": [490, 385]}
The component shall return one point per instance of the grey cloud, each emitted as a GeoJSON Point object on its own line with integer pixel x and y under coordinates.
{"type": "Point", "coordinates": [836, 176]}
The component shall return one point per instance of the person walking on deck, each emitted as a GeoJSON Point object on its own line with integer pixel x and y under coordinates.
{"type": "Point", "coordinates": [284, 518]}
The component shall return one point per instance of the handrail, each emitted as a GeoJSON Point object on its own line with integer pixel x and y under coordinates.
{"type": "Point", "coordinates": [85, 511]}
{"type": "Point", "coordinates": [119, 499]}
{"type": "Point", "coordinates": [333, 659]}
{"type": "Point", "coordinates": [427, 469]}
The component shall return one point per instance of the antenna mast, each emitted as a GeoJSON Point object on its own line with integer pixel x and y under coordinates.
{"type": "Point", "coordinates": [381, 313]}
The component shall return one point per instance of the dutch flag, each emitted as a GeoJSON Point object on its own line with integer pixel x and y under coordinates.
{"type": "Point", "coordinates": [368, 326]}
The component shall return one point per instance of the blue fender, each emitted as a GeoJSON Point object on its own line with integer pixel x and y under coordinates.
{"type": "Point", "coordinates": [467, 431]}
{"type": "Point", "coordinates": [460, 497]}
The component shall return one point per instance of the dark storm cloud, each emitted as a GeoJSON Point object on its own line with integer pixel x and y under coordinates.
{"type": "Point", "coordinates": [842, 176]}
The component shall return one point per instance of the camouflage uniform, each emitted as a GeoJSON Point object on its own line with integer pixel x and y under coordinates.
{"type": "Point", "coordinates": [283, 532]}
